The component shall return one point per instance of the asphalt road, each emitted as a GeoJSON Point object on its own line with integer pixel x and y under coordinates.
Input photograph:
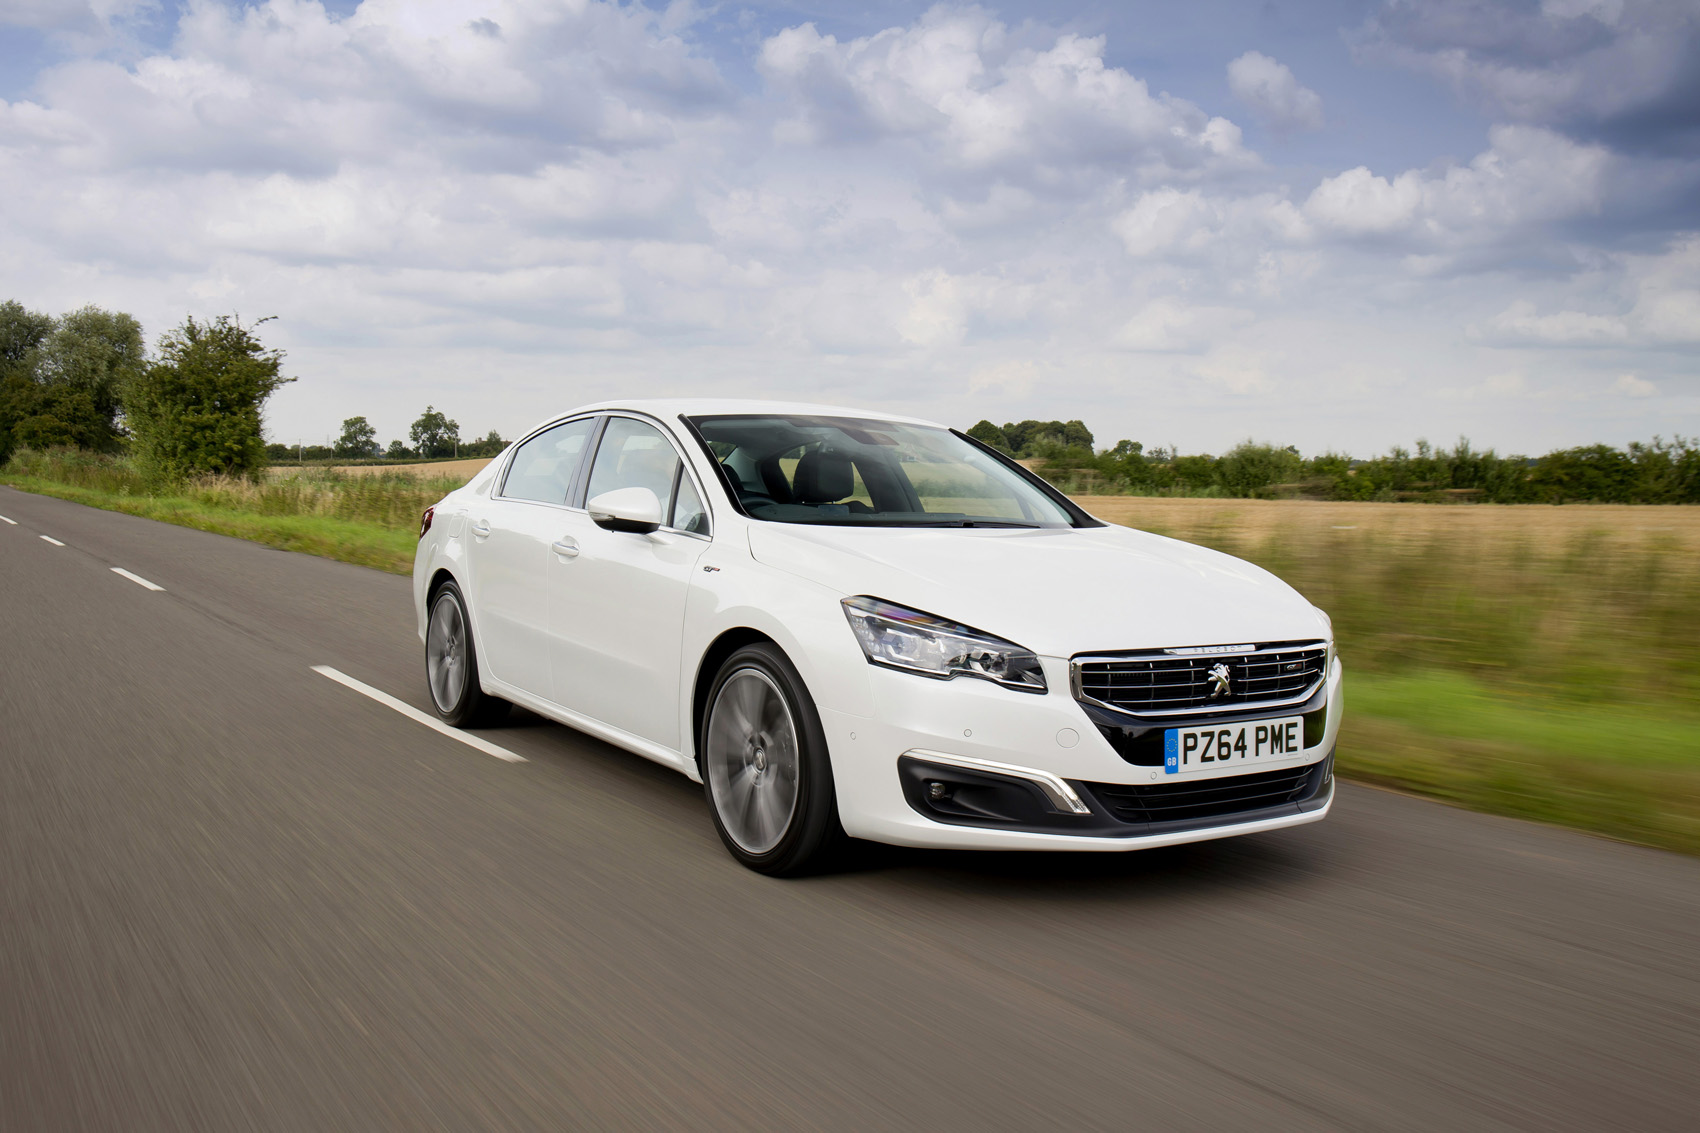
{"type": "Point", "coordinates": [235, 894]}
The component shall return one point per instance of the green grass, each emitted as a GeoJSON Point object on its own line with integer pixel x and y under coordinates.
{"type": "Point", "coordinates": [351, 541]}
{"type": "Point", "coordinates": [1631, 773]}
{"type": "Point", "coordinates": [1526, 673]}
{"type": "Point", "coordinates": [370, 520]}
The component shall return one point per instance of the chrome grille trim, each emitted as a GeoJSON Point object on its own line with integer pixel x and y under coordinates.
{"type": "Point", "coordinates": [1172, 682]}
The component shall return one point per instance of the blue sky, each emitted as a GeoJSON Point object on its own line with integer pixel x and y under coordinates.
{"type": "Point", "coordinates": [1338, 224]}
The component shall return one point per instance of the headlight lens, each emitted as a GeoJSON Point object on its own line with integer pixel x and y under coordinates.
{"type": "Point", "coordinates": [901, 638]}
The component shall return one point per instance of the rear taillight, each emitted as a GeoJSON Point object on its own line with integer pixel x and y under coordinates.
{"type": "Point", "coordinates": [425, 521]}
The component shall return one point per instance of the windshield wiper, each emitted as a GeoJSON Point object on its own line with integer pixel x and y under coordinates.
{"type": "Point", "coordinates": [973, 523]}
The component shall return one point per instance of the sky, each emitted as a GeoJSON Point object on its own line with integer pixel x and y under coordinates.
{"type": "Point", "coordinates": [1340, 225]}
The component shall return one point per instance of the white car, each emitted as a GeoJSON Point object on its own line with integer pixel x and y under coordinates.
{"type": "Point", "coordinates": [845, 623]}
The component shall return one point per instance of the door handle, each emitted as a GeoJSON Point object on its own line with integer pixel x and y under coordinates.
{"type": "Point", "coordinates": [566, 547]}
{"type": "Point", "coordinates": [481, 529]}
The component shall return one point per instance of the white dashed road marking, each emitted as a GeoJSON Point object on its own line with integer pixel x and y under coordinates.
{"type": "Point", "coordinates": [413, 713]}
{"type": "Point", "coordinates": [52, 540]}
{"type": "Point", "coordinates": [13, 522]}
{"type": "Point", "coordinates": [137, 579]}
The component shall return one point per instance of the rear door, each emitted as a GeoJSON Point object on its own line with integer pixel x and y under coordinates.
{"type": "Point", "coordinates": [509, 537]}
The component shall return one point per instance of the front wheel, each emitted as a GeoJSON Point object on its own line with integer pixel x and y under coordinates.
{"type": "Point", "coordinates": [451, 665]}
{"type": "Point", "coordinates": [765, 767]}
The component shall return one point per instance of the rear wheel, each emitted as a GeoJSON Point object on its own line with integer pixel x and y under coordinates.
{"type": "Point", "coordinates": [451, 665]}
{"type": "Point", "coordinates": [765, 767]}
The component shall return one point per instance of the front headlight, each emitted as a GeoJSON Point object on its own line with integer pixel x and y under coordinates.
{"type": "Point", "coordinates": [900, 638]}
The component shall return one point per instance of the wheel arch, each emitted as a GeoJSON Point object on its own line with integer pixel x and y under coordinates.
{"type": "Point", "coordinates": [440, 576]}
{"type": "Point", "coordinates": [722, 647]}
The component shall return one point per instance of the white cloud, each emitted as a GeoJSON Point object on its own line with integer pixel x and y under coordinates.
{"type": "Point", "coordinates": [1667, 302]}
{"type": "Point", "coordinates": [1670, 316]}
{"type": "Point", "coordinates": [974, 95]}
{"type": "Point", "coordinates": [1269, 89]}
{"type": "Point", "coordinates": [1176, 223]}
{"type": "Point", "coordinates": [1167, 326]}
{"type": "Point", "coordinates": [1628, 385]}
{"type": "Point", "coordinates": [1528, 176]}
{"type": "Point", "coordinates": [1519, 324]}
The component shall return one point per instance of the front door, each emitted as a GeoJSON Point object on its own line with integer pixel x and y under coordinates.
{"type": "Point", "coordinates": [617, 605]}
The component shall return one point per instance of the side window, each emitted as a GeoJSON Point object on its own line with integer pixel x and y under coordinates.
{"type": "Point", "coordinates": [543, 467]}
{"type": "Point", "coordinates": [688, 512]}
{"type": "Point", "coordinates": [634, 455]}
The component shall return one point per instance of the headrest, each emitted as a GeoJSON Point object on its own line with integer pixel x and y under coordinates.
{"type": "Point", "coordinates": [823, 477]}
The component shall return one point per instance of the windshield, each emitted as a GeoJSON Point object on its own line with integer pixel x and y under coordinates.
{"type": "Point", "coordinates": [846, 470]}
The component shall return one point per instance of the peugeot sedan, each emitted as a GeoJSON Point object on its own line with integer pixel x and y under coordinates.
{"type": "Point", "coordinates": [846, 624]}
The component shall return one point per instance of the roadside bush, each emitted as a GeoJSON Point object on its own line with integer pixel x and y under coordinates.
{"type": "Point", "coordinates": [197, 409]}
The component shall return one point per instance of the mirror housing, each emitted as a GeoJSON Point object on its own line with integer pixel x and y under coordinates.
{"type": "Point", "coordinates": [635, 510]}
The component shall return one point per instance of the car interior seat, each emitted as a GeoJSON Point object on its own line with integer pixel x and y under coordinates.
{"type": "Point", "coordinates": [823, 477]}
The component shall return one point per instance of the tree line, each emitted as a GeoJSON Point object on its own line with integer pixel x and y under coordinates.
{"type": "Point", "coordinates": [85, 380]}
{"type": "Point", "coordinates": [194, 406]}
{"type": "Point", "coordinates": [1653, 472]}
{"type": "Point", "coordinates": [433, 435]}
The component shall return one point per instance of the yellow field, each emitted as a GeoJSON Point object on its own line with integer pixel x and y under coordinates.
{"type": "Point", "coordinates": [1252, 521]}
{"type": "Point", "coordinates": [435, 470]}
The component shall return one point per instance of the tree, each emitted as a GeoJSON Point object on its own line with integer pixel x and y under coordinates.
{"type": "Point", "coordinates": [1248, 469]}
{"type": "Point", "coordinates": [434, 434]}
{"type": "Point", "coordinates": [397, 451]}
{"type": "Point", "coordinates": [989, 434]}
{"type": "Point", "coordinates": [359, 441]}
{"type": "Point", "coordinates": [93, 353]}
{"type": "Point", "coordinates": [1029, 438]}
{"type": "Point", "coordinates": [488, 445]}
{"type": "Point", "coordinates": [21, 333]}
{"type": "Point", "coordinates": [1592, 473]}
{"type": "Point", "coordinates": [60, 378]}
{"type": "Point", "coordinates": [198, 408]}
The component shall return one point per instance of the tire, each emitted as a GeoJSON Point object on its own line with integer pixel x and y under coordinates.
{"type": "Point", "coordinates": [451, 665]}
{"type": "Point", "coordinates": [765, 769]}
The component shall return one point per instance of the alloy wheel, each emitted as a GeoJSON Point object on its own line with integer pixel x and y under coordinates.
{"type": "Point", "coordinates": [445, 653]}
{"type": "Point", "coordinates": [752, 760]}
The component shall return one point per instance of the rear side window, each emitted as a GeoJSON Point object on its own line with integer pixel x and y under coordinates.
{"type": "Point", "coordinates": [634, 455]}
{"type": "Point", "coordinates": [542, 468]}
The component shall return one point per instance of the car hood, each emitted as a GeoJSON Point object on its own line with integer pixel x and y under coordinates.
{"type": "Point", "coordinates": [1057, 591]}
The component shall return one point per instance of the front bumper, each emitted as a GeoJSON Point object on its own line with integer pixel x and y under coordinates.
{"type": "Point", "coordinates": [884, 765]}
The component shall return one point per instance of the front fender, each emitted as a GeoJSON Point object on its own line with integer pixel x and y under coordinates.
{"type": "Point", "coordinates": [733, 591]}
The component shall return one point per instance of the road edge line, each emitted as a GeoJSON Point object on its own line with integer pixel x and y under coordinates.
{"type": "Point", "coordinates": [414, 714]}
{"type": "Point", "coordinates": [137, 579]}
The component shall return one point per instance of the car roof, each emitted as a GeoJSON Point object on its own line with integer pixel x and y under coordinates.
{"type": "Point", "coordinates": [670, 407]}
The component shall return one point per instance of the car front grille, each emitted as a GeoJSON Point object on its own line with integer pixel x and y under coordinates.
{"type": "Point", "coordinates": [1164, 682]}
{"type": "Point", "coordinates": [1209, 798]}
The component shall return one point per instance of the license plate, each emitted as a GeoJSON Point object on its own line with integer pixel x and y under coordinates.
{"type": "Point", "coordinates": [1191, 750]}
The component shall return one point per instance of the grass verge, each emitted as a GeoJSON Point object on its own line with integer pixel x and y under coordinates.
{"type": "Point", "coordinates": [1630, 773]}
{"type": "Point", "coordinates": [351, 541]}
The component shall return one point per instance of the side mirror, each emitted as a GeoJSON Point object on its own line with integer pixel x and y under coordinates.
{"type": "Point", "coordinates": [636, 510]}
